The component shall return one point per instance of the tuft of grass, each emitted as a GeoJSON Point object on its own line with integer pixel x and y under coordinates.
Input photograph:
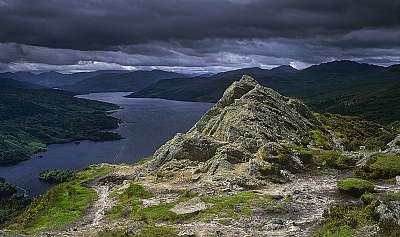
{"type": "Point", "coordinates": [115, 211]}
{"type": "Point", "coordinates": [135, 191]}
{"type": "Point", "coordinates": [159, 213]}
{"type": "Point", "coordinates": [61, 205]}
{"type": "Point", "coordinates": [145, 160]}
{"type": "Point", "coordinates": [355, 187]}
{"type": "Point", "coordinates": [320, 140]}
{"type": "Point", "coordinates": [129, 197]}
{"type": "Point", "coordinates": [233, 206]}
{"type": "Point", "coordinates": [333, 159]}
{"type": "Point", "coordinates": [344, 220]}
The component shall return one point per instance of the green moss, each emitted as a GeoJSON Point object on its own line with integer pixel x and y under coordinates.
{"type": "Point", "coordinates": [344, 220]}
{"type": "Point", "coordinates": [132, 196]}
{"type": "Point", "coordinates": [158, 231]}
{"type": "Point", "coordinates": [367, 198]}
{"type": "Point", "coordinates": [267, 169]}
{"type": "Point", "coordinates": [159, 213]}
{"type": "Point", "coordinates": [115, 211]}
{"type": "Point", "coordinates": [146, 231]}
{"type": "Point", "coordinates": [355, 187]}
{"type": "Point", "coordinates": [61, 205]}
{"type": "Point", "coordinates": [233, 206]}
{"type": "Point", "coordinates": [320, 140]}
{"type": "Point", "coordinates": [135, 191]}
{"type": "Point", "coordinates": [306, 154]}
{"type": "Point", "coordinates": [380, 166]}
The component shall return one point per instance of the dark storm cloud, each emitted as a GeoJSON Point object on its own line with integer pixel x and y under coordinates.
{"type": "Point", "coordinates": [198, 32]}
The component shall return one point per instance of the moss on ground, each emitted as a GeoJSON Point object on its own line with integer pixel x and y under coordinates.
{"type": "Point", "coordinates": [61, 205]}
{"type": "Point", "coordinates": [333, 159]}
{"type": "Point", "coordinates": [233, 206]}
{"type": "Point", "coordinates": [380, 166]}
{"type": "Point", "coordinates": [325, 158]}
{"type": "Point", "coordinates": [355, 187]}
{"type": "Point", "coordinates": [320, 140]}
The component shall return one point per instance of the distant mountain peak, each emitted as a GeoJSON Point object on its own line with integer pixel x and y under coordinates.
{"type": "Point", "coordinates": [343, 66]}
{"type": "Point", "coordinates": [285, 69]}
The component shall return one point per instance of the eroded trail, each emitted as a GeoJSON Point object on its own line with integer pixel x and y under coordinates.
{"type": "Point", "coordinates": [101, 204]}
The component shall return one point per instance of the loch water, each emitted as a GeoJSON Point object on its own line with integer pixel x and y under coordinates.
{"type": "Point", "coordinates": [146, 124]}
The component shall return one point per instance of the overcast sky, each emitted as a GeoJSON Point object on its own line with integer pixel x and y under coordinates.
{"type": "Point", "coordinates": [198, 35]}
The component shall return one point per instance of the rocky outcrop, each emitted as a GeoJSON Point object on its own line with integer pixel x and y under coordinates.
{"type": "Point", "coordinates": [244, 129]}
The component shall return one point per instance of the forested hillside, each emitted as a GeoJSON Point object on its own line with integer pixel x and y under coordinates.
{"type": "Point", "coordinates": [30, 119]}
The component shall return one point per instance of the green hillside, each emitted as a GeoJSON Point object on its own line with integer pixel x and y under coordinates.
{"type": "Point", "coordinates": [109, 82]}
{"type": "Point", "coordinates": [30, 119]}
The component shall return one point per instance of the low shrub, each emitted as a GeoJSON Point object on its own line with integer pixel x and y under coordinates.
{"type": "Point", "coordinates": [320, 140]}
{"type": "Point", "coordinates": [57, 176]}
{"type": "Point", "coordinates": [344, 220]}
{"type": "Point", "coordinates": [333, 159]}
{"type": "Point", "coordinates": [380, 166]}
{"type": "Point", "coordinates": [356, 132]}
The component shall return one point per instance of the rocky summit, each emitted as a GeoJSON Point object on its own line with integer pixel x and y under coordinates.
{"type": "Point", "coordinates": [233, 138]}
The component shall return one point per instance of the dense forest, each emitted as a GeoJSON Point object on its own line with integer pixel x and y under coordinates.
{"type": "Point", "coordinates": [32, 118]}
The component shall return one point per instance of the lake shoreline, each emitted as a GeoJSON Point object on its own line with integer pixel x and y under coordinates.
{"type": "Point", "coordinates": [146, 125]}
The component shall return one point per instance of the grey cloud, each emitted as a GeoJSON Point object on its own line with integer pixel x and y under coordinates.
{"type": "Point", "coordinates": [191, 33]}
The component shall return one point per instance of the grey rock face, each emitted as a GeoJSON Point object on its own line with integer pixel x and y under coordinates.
{"type": "Point", "coordinates": [190, 206]}
{"type": "Point", "coordinates": [248, 117]}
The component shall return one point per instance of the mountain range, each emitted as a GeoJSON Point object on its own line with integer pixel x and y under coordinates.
{"type": "Point", "coordinates": [343, 87]}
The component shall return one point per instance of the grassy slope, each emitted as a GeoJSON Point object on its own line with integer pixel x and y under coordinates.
{"type": "Point", "coordinates": [60, 206]}
{"type": "Point", "coordinates": [30, 119]}
{"type": "Point", "coordinates": [375, 99]}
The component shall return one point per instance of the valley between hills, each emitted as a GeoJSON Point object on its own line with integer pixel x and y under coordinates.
{"type": "Point", "coordinates": [258, 163]}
